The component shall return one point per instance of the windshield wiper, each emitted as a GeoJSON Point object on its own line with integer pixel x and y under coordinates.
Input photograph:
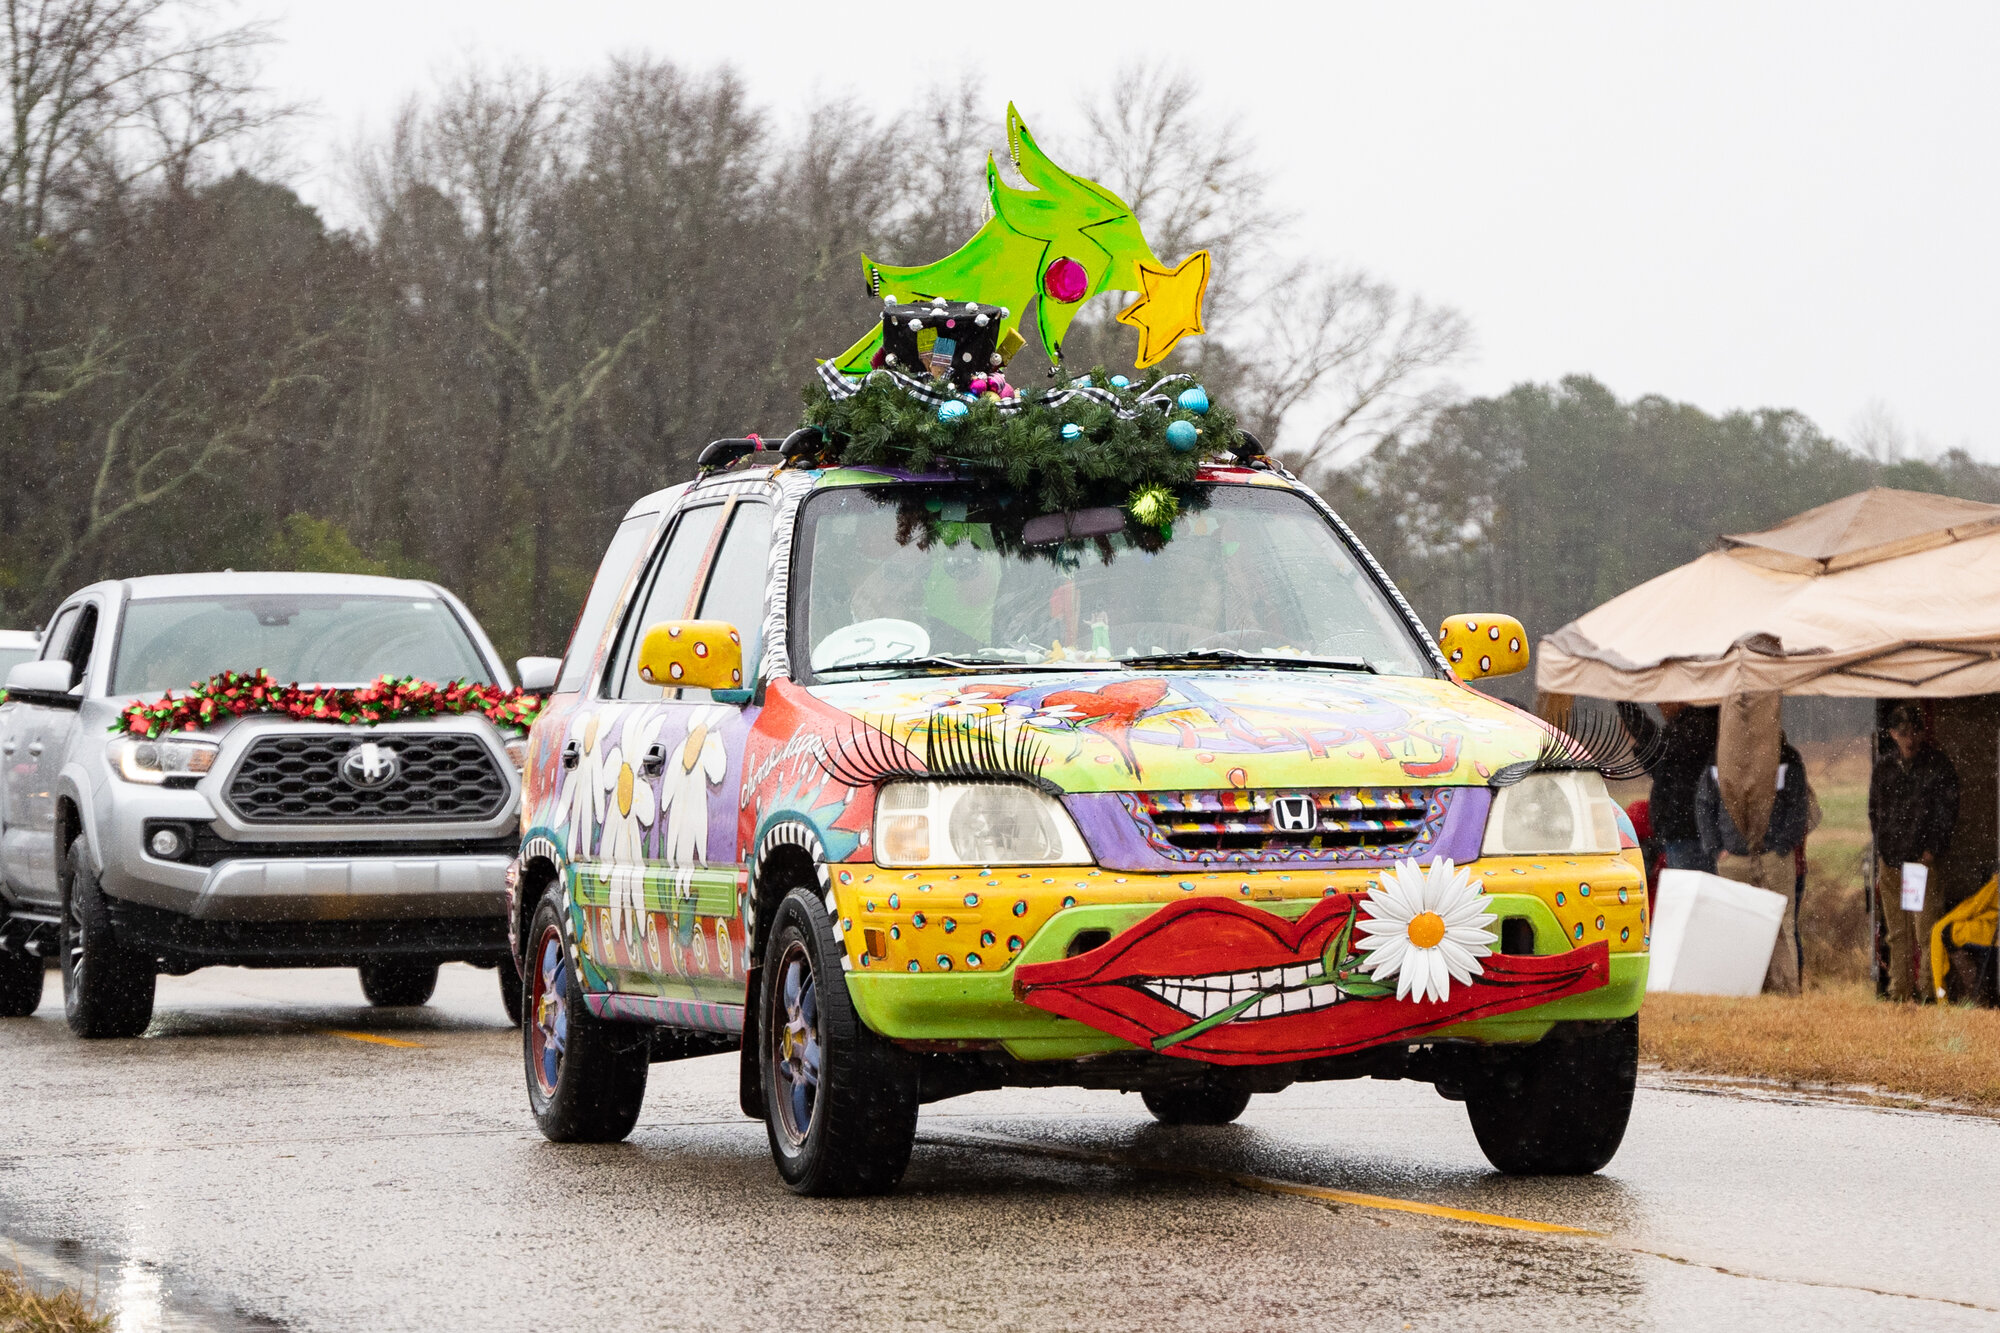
{"type": "Point", "coordinates": [1231, 657]}
{"type": "Point", "coordinates": [938, 663]}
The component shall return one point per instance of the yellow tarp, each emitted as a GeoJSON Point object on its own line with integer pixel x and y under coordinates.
{"type": "Point", "coordinates": [1967, 925]}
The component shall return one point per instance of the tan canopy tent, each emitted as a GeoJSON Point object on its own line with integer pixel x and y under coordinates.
{"type": "Point", "coordinates": [1885, 594]}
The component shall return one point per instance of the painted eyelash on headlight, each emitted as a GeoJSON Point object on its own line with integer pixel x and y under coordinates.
{"type": "Point", "coordinates": [1595, 741]}
{"type": "Point", "coordinates": [955, 748]}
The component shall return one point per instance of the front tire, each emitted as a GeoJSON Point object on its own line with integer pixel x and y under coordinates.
{"type": "Point", "coordinates": [586, 1077]}
{"type": "Point", "coordinates": [1206, 1103]}
{"type": "Point", "coordinates": [1558, 1107]}
{"type": "Point", "coordinates": [20, 985]}
{"type": "Point", "coordinates": [107, 990]}
{"type": "Point", "coordinates": [398, 983]}
{"type": "Point", "coordinates": [840, 1103]}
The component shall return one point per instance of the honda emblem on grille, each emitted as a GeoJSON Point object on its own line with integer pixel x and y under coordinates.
{"type": "Point", "coordinates": [1295, 814]}
{"type": "Point", "coordinates": [369, 766]}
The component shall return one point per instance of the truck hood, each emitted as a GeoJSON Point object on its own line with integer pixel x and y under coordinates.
{"type": "Point", "coordinates": [1108, 731]}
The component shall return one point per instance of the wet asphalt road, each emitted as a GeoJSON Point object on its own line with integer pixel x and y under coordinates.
{"type": "Point", "coordinates": [265, 1158]}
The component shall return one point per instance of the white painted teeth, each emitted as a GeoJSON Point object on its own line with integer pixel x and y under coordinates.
{"type": "Point", "coordinates": [1281, 991]}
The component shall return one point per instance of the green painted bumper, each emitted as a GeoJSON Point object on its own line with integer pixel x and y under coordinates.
{"type": "Point", "coordinates": [982, 1007]}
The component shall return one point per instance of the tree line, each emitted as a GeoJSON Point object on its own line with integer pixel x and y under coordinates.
{"type": "Point", "coordinates": [557, 293]}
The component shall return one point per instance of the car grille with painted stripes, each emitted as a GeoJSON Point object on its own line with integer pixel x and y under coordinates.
{"type": "Point", "coordinates": [441, 776]}
{"type": "Point", "coordinates": [1278, 826]}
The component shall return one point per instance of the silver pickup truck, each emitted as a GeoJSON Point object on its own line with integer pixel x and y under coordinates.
{"type": "Point", "coordinates": [257, 841]}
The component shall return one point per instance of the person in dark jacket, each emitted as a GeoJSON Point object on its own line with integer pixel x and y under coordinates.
{"type": "Point", "coordinates": [1770, 865]}
{"type": "Point", "coordinates": [1686, 750]}
{"type": "Point", "coordinates": [1912, 810]}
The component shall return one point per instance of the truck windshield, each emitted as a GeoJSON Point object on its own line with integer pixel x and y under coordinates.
{"type": "Point", "coordinates": [1244, 572]}
{"type": "Point", "coordinates": [169, 642]}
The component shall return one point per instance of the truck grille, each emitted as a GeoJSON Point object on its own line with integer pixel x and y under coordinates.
{"type": "Point", "coordinates": [1241, 826]}
{"type": "Point", "coordinates": [441, 776]}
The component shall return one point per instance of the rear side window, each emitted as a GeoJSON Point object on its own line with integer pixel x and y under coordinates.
{"type": "Point", "coordinates": [613, 573]}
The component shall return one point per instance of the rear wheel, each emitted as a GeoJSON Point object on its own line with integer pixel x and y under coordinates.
{"type": "Point", "coordinates": [586, 1077]}
{"type": "Point", "coordinates": [396, 983]}
{"type": "Point", "coordinates": [1558, 1107]}
{"type": "Point", "coordinates": [1206, 1103]}
{"type": "Point", "coordinates": [107, 990]}
{"type": "Point", "coordinates": [840, 1103]}
{"type": "Point", "coordinates": [20, 985]}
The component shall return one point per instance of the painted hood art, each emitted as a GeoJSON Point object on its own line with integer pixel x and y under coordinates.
{"type": "Point", "coordinates": [1112, 731]}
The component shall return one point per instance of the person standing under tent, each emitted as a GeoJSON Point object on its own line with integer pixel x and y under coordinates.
{"type": "Point", "coordinates": [1686, 751]}
{"type": "Point", "coordinates": [1912, 810]}
{"type": "Point", "coordinates": [1772, 865]}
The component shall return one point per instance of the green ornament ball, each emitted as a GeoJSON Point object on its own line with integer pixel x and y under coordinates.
{"type": "Point", "coordinates": [1182, 435]}
{"type": "Point", "coordinates": [1194, 400]}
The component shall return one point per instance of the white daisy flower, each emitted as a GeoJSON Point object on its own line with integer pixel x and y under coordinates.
{"type": "Point", "coordinates": [1426, 929]}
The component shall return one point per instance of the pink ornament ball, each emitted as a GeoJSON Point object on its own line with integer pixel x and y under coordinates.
{"type": "Point", "coordinates": [1066, 281]}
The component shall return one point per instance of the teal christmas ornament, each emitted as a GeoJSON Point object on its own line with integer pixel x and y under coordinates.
{"type": "Point", "coordinates": [953, 410]}
{"type": "Point", "coordinates": [1194, 400]}
{"type": "Point", "coordinates": [1071, 431]}
{"type": "Point", "coordinates": [1182, 435]}
{"type": "Point", "coordinates": [1120, 382]}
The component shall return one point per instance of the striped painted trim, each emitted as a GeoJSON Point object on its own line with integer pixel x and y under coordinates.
{"type": "Point", "coordinates": [787, 833]}
{"type": "Point", "coordinates": [696, 1014]}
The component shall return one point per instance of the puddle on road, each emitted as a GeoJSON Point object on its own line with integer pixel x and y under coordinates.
{"type": "Point", "coordinates": [139, 1295]}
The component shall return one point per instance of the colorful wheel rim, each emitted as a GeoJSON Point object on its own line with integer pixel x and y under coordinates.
{"type": "Point", "coordinates": [548, 1011]}
{"type": "Point", "coordinates": [795, 1046]}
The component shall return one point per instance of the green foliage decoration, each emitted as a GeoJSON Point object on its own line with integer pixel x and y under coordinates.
{"type": "Point", "coordinates": [1113, 456]}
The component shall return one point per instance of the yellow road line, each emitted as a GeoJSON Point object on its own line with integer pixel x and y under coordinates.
{"type": "Point", "coordinates": [373, 1039]}
{"type": "Point", "coordinates": [1269, 1186]}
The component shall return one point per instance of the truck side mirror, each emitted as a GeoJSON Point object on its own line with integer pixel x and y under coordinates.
{"type": "Point", "coordinates": [702, 654]}
{"type": "Point", "coordinates": [46, 682]}
{"type": "Point", "coordinates": [538, 675]}
{"type": "Point", "coordinates": [1479, 644]}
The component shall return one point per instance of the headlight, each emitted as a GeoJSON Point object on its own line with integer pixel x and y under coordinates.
{"type": "Point", "coordinates": [153, 762]}
{"type": "Point", "coordinates": [1547, 813]}
{"type": "Point", "coordinates": [974, 824]}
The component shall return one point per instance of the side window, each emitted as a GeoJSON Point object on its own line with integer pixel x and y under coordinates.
{"type": "Point", "coordinates": [81, 643]}
{"type": "Point", "coordinates": [55, 643]}
{"type": "Point", "coordinates": [668, 596]}
{"type": "Point", "coordinates": [737, 582]}
{"type": "Point", "coordinates": [627, 548]}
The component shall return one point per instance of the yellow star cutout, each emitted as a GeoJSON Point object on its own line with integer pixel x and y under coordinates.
{"type": "Point", "coordinates": [1169, 306]}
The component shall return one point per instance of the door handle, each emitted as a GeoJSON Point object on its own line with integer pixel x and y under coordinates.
{"type": "Point", "coordinates": [35, 748]}
{"type": "Point", "coordinates": [8, 747]}
{"type": "Point", "coordinates": [572, 754]}
{"type": "Point", "coordinates": [655, 760]}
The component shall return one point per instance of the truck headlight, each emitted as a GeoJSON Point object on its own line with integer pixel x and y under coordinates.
{"type": "Point", "coordinates": [153, 762]}
{"type": "Point", "coordinates": [1547, 813]}
{"type": "Point", "coordinates": [974, 824]}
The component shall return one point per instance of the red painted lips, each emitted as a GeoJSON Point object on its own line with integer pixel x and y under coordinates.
{"type": "Point", "coordinates": [1200, 957]}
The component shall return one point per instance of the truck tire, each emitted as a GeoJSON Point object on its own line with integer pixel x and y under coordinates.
{"type": "Point", "coordinates": [510, 989]}
{"type": "Point", "coordinates": [840, 1103]}
{"type": "Point", "coordinates": [20, 984]}
{"type": "Point", "coordinates": [586, 1077]}
{"type": "Point", "coordinates": [1559, 1106]}
{"type": "Point", "coordinates": [398, 983]}
{"type": "Point", "coordinates": [1205, 1103]}
{"type": "Point", "coordinates": [107, 990]}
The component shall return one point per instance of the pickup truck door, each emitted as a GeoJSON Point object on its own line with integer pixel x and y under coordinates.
{"type": "Point", "coordinates": [33, 740]}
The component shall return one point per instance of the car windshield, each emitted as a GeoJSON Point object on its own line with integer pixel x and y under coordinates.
{"type": "Point", "coordinates": [169, 642]}
{"type": "Point", "coordinates": [900, 572]}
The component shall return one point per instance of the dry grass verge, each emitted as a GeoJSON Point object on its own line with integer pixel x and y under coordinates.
{"type": "Point", "coordinates": [1841, 1035]}
{"type": "Point", "coordinates": [25, 1310]}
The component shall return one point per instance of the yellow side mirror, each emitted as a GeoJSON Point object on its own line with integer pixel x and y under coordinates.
{"type": "Point", "coordinates": [1479, 644]}
{"type": "Point", "coordinates": [702, 654]}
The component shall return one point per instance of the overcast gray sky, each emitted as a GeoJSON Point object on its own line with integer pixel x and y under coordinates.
{"type": "Point", "coordinates": [1738, 204]}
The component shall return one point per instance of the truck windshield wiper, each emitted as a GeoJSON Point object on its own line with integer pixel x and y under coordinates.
{"type": "Point", "coordinates": [938, 663]}
{"type": "Point", "coordinates": [1231, 657]}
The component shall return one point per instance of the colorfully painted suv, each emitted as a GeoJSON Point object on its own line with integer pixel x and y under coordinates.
{"type": "Point", "coordinates": [906, 793]}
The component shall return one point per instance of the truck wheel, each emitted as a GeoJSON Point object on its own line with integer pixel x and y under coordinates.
{"type": "Point", "coordinates": [107, 990]}
{"type": "Point", "coordinates": [398, 983]}
{"type": "Point", "coordinates": [586, 1077]}
{"type": "Point", "coordinates": [1196, 1103]}
{"type": "Point", "coordinates": [840, 1103]}
{"type": "Point", "coordinates": [20, 985]}
{"type": "Point", "coordinates": [1558, 1107]}
{"type": "Point", "coordinates": [510, 988]}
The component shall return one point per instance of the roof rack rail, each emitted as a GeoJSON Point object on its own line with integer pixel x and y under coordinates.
{"type": "Point", "coordinates": [726, 453]}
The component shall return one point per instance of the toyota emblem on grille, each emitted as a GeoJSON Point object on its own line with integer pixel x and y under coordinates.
{"type": "Point", "coordinates": [369, 766]}
{"type": "Point", "coordinates": [1295, 814]}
